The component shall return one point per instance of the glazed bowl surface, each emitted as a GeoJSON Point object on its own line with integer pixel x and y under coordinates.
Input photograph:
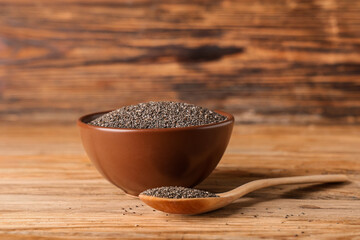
{"type": "Point", "coordinates": [138, 159]}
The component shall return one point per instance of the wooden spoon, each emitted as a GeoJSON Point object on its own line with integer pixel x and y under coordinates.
{"type": "Point", "coordinates": [202, 205]}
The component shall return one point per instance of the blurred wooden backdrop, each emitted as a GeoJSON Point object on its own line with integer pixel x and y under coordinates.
{"type": "Point", "coordinates": [266, 61]}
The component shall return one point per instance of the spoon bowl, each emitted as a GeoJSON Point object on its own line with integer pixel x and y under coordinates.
{"type": "Point", "coordinates": [201, 205]}
{"type": "Point", "coordinates": [186, 205]}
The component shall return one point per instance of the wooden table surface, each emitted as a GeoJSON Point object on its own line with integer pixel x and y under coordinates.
{"type": "Point", "coordinates": [50, 190]}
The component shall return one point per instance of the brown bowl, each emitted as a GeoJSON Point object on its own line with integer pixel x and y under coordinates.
{"type": "Point", "coordinates": [138, 159]}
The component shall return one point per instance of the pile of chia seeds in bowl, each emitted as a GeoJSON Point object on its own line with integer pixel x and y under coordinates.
{"type": "Point", "coordinates": [158, 115]}
{"type": "Point", "coordinates": [178, 192]}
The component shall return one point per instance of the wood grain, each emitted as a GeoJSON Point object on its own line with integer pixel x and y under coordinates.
{"type": "Point", "coordinates": [286, 61]}
{"type": "Point", "coordinates": [50, 190]}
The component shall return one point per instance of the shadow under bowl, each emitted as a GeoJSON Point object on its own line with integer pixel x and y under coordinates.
{"type": "Point", "coordinates": [138, 159]}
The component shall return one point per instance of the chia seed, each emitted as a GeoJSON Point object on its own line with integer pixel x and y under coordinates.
{"type": "Point", "coordinates": [158, 115]}
{"type": "Point", "coordinates": [178, 192]}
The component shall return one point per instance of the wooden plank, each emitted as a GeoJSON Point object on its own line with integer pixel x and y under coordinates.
{"type": "Point", "coordinates": [264, 61]}
{"type": "Point", "coordinates": [49, 189]}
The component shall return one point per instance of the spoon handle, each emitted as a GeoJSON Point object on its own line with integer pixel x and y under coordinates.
{"type": "Point", "coordinates": [263, 183]}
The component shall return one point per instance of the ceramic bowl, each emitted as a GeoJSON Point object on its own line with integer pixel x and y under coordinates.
{"type": "Point", "coordinates": [138, 159]}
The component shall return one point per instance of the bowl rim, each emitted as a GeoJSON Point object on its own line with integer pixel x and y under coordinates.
{"type": "Point", "coordinates": [82, 124]}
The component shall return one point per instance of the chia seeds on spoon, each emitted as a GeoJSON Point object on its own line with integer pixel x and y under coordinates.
{"type": "Point", "coordinates": [158, 115]}
{"type": "Point", "coordinates": [178, 192]}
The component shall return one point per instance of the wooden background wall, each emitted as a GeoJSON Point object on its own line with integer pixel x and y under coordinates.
{"type": "Point", "coordinates": [266, 61]}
